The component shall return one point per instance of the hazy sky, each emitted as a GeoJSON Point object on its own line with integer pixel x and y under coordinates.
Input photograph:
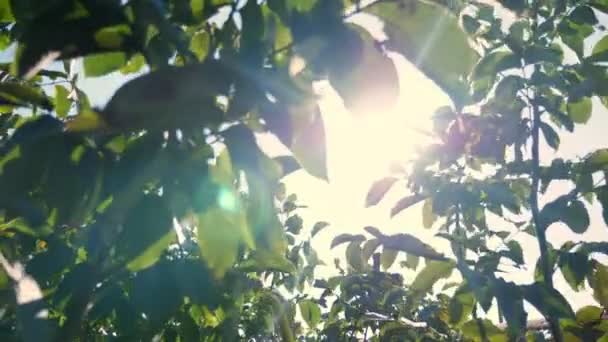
{"type": "Point", "coordinates": [361, 149]}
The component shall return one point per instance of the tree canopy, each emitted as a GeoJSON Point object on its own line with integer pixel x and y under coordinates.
{"type": "Point", "coordinates": [159, 217]}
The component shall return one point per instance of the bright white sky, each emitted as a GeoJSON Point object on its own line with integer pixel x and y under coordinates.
{"type": "Point", "coordinates": [360, 151]}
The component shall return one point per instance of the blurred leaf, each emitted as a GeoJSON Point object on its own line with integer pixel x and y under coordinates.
{"type": "Point", "coordinates": [461, 305]}
{"type": "Point", "coordinates": [405, 203]}
{"type": "Point", "coordinates": [471, 329]}
{"type": "Point", "coordinates": [574, 267]}
{"type": "Point", "coordinates": [360, 72]}
{"type": "Point", "coordinates": [580, 111]}
{"type": "Point", "coordinates": [515, 252]}
{"type": "Point", "coordinates": [551, 137]}
{"type": "Point", "coordinates": [551, 54]}
{"type": "Point", "coordinates": [583, 15]}
{"type": "Point", "coordinates": [369, 247]}
{"type": "Point", "coordinates": [598, 281]}
{"type": "Point", "coordinates": [318, 227]}
{"type": "Point", "coordinates": [6, 14]}
{"type": "Point", "coordinates": [378, 190]}
{"type": "Point", "coordinates": [61, 102]}
{"type": "Point", "coordinates": [311, 313]}
{"type": "Point", "coordinates": [406, 243]}
{"type": "Point", "coordinates": [103, 64]}
{"type": "Point", "coordinates": [261, 260]}
{"type": "Point", "coordinates": [155, 293]}
{"type": "Point", "coordinates": [343, 238]}
{"type": "Point", "coordinates": [308, 143]}
{"type": "Point", "coordinates": [354, 256]}
{"type": "Point", "coordinates": [387, 259]}
{"type": "Point", "coordinates": [428, 215]}
{"type": "Point", "coordinates": [589, 315]}
{"type": "Point", "coordinates": [148, 231]}
{"type": "Point", "coordinates": [602, 197]}
{"type": "Point", "coordinates": [548, 301]}
{"type": "Point", "coordinates": [200, 45]}
{"type": "Point", "coordinates": [412, 261]}
{"type": "Point", "coordinates": [424, 34]}
{"type": "Point", "coordinates": [575, 215]}
{"type": "Point", "coordinates": [23, 95]}
{"type": "Point", "coordinates": [600, 51]}
{"type": "Point", "coordinates": [430, 274]}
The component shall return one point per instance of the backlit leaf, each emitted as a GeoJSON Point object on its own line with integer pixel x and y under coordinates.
{"type": "Point", "coordinates": [580, 111]}
{"type": "Point", "coordinates": [425, 34]}
{"type": "Point", "coordinates": [405, 203]}
{"type": "Point", "coordinates": [387, 258]}
{"type": "Point", "coordinates": [103, 64]}
{"type": "Point", "coordinates": [311, 313]}
{"type": "Point", "coordinates": [62, 103]}
{"type": "Point", "coordinates": [318, 227]}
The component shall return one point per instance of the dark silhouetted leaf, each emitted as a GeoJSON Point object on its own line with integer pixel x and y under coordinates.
{"type": "Point", "coordinates": [343, 238]}
{"type": "Point", "coordinates": [548, 301]}
{"type": "Point", "coordinates": [405, 203]}
{"type": "Point", "coordinates": [318, 227]}
{"type": "Point", "coordinates": [378, 190]}
{"type": "Point", "coordinates": [387, 258]}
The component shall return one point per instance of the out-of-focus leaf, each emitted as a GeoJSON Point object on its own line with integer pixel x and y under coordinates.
{"type": "Point", "coordinates": [430, 274]}
{"type": "Point", "coordinates": [551, 137]}
{"type": "Point", "coordinates": [378, 190]}
{"type": "Point", "coordinates": [405, 203]}
{"type": "Point", "coordinates": [318, 227]}
{"type": "Point", "coordinates": [61, 101]}
{"type": "Point", "coordinates": [588, 315]}
{"type": "Point", "coordinates": [425, 34]}
{"type": "Point", "coordinates": [580, 111]}
{"type": "Point", "coordinates": [574, 267]}
{"type": "Point", "coordinates": [598, 281]}
{"type": "Point", "coordinates": [369, 247]}
{"type": "Point", "coordinates": [354, 256]}
{"type": "Point", "coordinates": [266, 261]}
{"type": "Point", "coordinates": [548, 301]}
{"type": "Point", "coordinates": [428, 216]}
{"type": "Point", "coordinates": [471, 329]}
{"type": "Point", "coordinates": [515, 252]}
{"type": "Point", "coordinates": [343, 238]}
{"type": "Point", "coordinates": [147, 232]}
{"type": "Point", "coordinates": [387, 258]}
{"type": "Point", "coordinates": [311, 313]}
{"type": "Point", "coordinates": [575, 215]}
{"type": "Point", "coordinates": [600, 51]}
{"type": "Point", "coordinates": [103, 64]}
{"type": "Point", "coordinates": [17, 94]}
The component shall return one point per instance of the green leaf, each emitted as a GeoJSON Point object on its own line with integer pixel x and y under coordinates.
{"type": "Point", "coordinates": [262, 260]}
{"type": "Point", "coordinates": [589, 315]}
{"type": "Point", "coordinates": [6, 14]}
{"type": "Point", "coordinates": [575, 215]}
{"type": "Point", "coordinates": [155, 293]}
{"type": "Point", "coordinates": [600, 51]}
{"type": "Point", "coordinates": [220, 247]}
{"type": "Point", "coordinates": [425, 34]}
{"type": "Point", "coordinates": [369, 247]}
{"type": "Point", "coordinates": [61, 102]}
{"type": "Point", "coordinates": [550, 135]}
{"type": "Point", "coordinates": [461, 305]}
{"type": "Point", "coordinates": [354, 256]}
{"type": "Point", "coordinates": [344, 238]}
{"type": "Point", "coordinates": [200, 44]}
{"type": "Point", "coordinates": [148, 231]}
{"type": "Point", "coordinates": [580, 111]}
{"type": "Point", "coordinates": [405, 203]}
{"type": "Point", "coordinates": [548, 301]}
{"type": "Point", "coordinates": [574, 267]}
{"type": "Point", "coordinates": [412, 261]}
{"type": "Point", "coordinates": [515, 252]}
{"type": "Point", "coordinates": [388, 257]}
{"type": "Point", "coordinates": [598, 282]}
{"type": "Point", "coordinates": [22, 95]}
{"type": "Point", "coordinates": [550, 54]}
{"type": "Point", "coordinates": [103, 63]}
{"type": "Point", "coordinates": [602, 197]}
{"type": "Point", "coordinates": [428, 216]}
{"type": "Point", "coordinates": [493, 63]}
{"type": "Point", "coordinates": [318, 227]}
{"type": "Point", "coordinates": [510, 303]}
{"type": "Point", "coordinates": [135, 63]}
{"type": "Point", "coordinates": [430, 274]}
{"type": "Point", "coordinates": [472, 330]}
{"type": "Point", "coordinates": [597, 160]}
{"type": "Point", "coordinates": [311, 313]}
{"type": "Point", "coordinates": [378, 190]}
{"type": "Point", "coordinates": [583, 15]}
{"type": "Point", "coordinates": [406, 243]}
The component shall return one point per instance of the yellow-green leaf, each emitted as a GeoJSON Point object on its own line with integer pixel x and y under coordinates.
{"type": "Point", "coordinates": [426, 33]}
{"type": "Point", "coordinates": [580, 111]}
{"type": "Point", "coordinates": [103, 63]}
{"type": "Point", "coordinates": [62, 103]}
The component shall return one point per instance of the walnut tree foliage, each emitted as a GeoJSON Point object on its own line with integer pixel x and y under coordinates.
{"type": "Point", "coordinates": [92, 199]}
